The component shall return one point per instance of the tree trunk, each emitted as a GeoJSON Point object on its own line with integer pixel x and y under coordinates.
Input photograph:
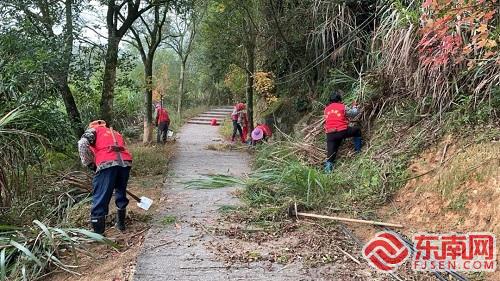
{"type": "Point", "coordinates": [70, 105]}
{"type": "Point", "coordinates": [181, 88]}
{"type": "Point", "coordinates": [62, 77]}
{"type": "Point", "coordinates": [250, 64]}
{"type": "Point", "coordinates": [109, 79]}
{"type": "Point", "coordinates": [148, 102]}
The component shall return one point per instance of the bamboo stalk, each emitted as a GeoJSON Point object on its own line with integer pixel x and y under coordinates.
{"type": "Point", "coordinates": [349, 220]}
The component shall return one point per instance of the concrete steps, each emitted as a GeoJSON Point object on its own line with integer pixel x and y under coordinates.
{"type": "Point", "coordinates": [215, 115]}
{"type": "Point", "coordinates": [199, 118]}
{"type": "Point", "coordinates": [220, 113]}
{"type": "Point", "coordinates": [219, 110]}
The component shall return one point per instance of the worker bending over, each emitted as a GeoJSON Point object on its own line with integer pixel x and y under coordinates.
{"type": "Point", "coordinates": [337, 128]}
{"type": "Point", "coordinates": [103, 151]}
{"type": "Point", "coordinates": [261, 133]}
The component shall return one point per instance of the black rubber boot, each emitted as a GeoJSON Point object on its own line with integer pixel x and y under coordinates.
{"type": "Point", "coordinates": [120, 219]}
{"type": "Point", "coordinates": [98, 224]}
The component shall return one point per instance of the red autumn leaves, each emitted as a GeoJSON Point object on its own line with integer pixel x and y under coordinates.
{"type": "Point", "coordinates": [454, 32]}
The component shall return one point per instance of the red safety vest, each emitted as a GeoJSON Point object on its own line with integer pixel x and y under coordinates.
{"type": "Point", "coordinates": [163, 115]}
{"type": "Point", "coordinates": [267, 131]}
{"type": "Point", "coordinates": [103, 146]}
{"type": "Point", "coordinates": [335, 119]}
{"type": "Point", "coordinates": [234, 114]}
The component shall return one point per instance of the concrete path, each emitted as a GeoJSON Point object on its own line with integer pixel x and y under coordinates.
{"type": "Point", "coordinates": [179, 251]}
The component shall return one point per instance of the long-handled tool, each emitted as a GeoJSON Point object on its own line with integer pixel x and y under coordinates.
{"type": "Point", "coordinates": [293, 212]}
{"type": "Point", "coordinates": [142, 202]}
{"type": "Point", "coordinates": [84, 181]}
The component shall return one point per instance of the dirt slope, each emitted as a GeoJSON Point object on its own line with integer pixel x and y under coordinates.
{"type": "Point", "coordinates": [455, 188]}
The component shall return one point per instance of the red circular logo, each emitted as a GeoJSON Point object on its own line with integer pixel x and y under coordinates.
{"type": "Point", "coordinates": [385, 252]}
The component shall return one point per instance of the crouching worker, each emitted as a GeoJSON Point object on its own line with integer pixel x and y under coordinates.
{"type": "Point", "coordinates": [337, 128]}
{"type": "Point", "coordinates": [103, 151]}
{"type": "Point", "coordinates": [261, 133]}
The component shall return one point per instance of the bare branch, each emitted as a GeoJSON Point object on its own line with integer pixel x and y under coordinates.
{"type": "Point", "coordinates": [146, 25]}
{"type": "Point", "coordinates": [92, 43]}
{"type": "Point", "coordinates": [95, 31]}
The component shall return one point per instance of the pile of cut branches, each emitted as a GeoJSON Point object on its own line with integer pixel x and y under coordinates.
{"type": "Point", "coordinates": [309, 153]}
{"type": "Point", "coordinates": [78, 179]}
{"type": "Point", "coordinates": [312, 131]}
{"type": "Point", "coordinates": [308, 150]}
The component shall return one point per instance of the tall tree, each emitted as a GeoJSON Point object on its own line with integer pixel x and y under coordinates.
{"type": "Point", "coordinates": [118, 24]}
{"type": "Point", "coordinates": [184, 28]}
{"type": "Point", "coordinates": [148, 34]}
{"type": "Point", "coordinates": [250, 29]}
{"type": "Point", "coordinates": [43, 18]}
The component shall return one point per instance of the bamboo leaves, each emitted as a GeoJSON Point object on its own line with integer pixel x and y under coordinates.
{"type": "Point", "coordinates": [27, 252]}
{"type": "Point", "coordinates": [214, 182]}
{"type": "Point", "coordinates": [2, 265]}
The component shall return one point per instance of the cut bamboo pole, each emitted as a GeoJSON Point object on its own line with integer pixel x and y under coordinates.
{"type": "Point", "coordinates": [349, 220]}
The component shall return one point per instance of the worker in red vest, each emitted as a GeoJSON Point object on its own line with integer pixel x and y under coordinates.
{"type": "Point", "coordinates": [240, 122]}
{"type": "Point", "coordinates": [103, 150]}
{"type": "Point", "coordinates": [162, 121]}
{"type": "Point", "coordinates": [337, 128]}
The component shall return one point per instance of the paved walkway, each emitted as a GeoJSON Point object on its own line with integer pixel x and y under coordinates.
{"type": "Point", "coordinates": [178, 251]}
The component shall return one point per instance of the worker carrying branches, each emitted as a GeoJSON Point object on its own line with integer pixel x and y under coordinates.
{"type": "Point", "coordinates": [337, 128]}
{"type": "Point", "coordinates": [103, 150]}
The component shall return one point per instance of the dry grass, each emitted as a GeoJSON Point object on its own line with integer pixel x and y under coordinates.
{"type": "Point", "coordinates": [446, 170]}
{"type": "Point", "coordinates": [151, 160]}
{"type": "Point", "coordinates": [454, 188]}
{"type": "Point", "coordinates": [397, 71]}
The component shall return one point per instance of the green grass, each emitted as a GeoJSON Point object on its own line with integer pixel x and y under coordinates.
{"type": "Point", "coordinates": [226, 209]}
{"type": "Point", "coordinates": [458, 203]}
{"type": "Point", "coordinates": [214, 182]}
{"type": "Point", "coordinates": [226, 129]}
{"type": "Point", "coordinates": [168, 220]}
